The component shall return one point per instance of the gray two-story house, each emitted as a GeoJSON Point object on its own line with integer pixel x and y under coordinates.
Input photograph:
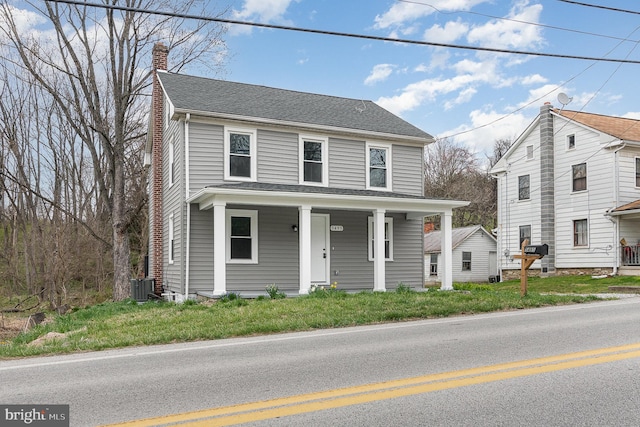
{"type": "Point", "coordinates": [252, 185]}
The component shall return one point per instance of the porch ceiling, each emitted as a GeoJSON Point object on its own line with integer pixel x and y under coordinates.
{"type": "Point", "coordinates": [321, 197]}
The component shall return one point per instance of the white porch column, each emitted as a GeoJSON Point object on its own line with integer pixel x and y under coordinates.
{"type": "Point", "coordinates": [304, 232]}
{"type": "Point", "coordinates": [446, 253]}
{"type": "Point", "coordinates": [219, 248]}
{"type": "Point", "coordinates": [379, 272]}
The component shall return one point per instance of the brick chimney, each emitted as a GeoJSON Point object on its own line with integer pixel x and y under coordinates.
{"type": "Point", "coordinates": [159, 62]}
{"type": "Point", "coordinates": [547, 203]}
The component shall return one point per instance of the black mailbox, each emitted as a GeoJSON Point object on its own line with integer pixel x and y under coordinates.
{"type": "Point", "coordinates": [541, 250]}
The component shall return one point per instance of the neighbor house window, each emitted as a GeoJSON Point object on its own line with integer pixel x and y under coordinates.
{"type": "Point", "coordinates": [242, 236]}
{"type": "Point", "coordinates": [637, 171]}
{"type": "Point", "coordinates": [388, 239]}
{"type": "Point", "coordinates": [579, 173]}
{"type": "Point", "coordinates": [172, 245]}
{"type": "Point", "coordinates": [172, 162]}
{"type": "Point", "coordinates": [314, 165]}
{"type": "Point", "coordinates": [240, 154]}
{"type": "Point", "coordinates": [529, 152]}
{"type": "Point", "coordinates": [466, 261]}
{"type": "Point", "coordinates": [571, 142]}
{"type": "Point", "coordinates": [525, 234]}
{"type": "Point", "coordinates": [523, 187]}
{"type": "Point", "coordinates": [433, 265]}
{"type": "Point", "coordinates": [580, 233]}
{"type": "Point", "coordinates": [379, 166]}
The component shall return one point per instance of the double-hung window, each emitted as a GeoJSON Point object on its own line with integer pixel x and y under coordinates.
{"type": "Point", "coordinates": [637, 171]}
{"type": "Point", "coordinates": [466, 261]}
{"type": "Point", "coordinates": [379, 166]}
{"type": "Point", "coordinates": [242, 236]}
{"type": "Point", "coordinates": [580, 233]}
{"type": "Point", "coordinates": [314, 166]}
{"type": "Point", "coordinates": [525, 234]}
{"type": "Point", "coordinates": [433, 265]}
{"type": "Point", "coordinates": [388, 239]}
{"type": "Point", "coordinates": [240, 154]}
{"type": "Point", "coordinates": [172, 241]}
{"type": "Point", "coordinates": [571, 142]}
{"type": "Point", "coordinates": [579, 175]}
{"type": "Point", "coordinates": [524, 187]}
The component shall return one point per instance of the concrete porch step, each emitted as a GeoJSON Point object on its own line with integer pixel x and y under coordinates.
{"type": "Point", "coordinates": [629, 271]}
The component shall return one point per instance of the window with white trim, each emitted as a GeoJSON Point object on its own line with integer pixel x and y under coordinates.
{"type": "Point", "coordinates": [525, 234]}
{"type": "Point", "coordinates": [314, 165]}
{"type": "Point", "coordinates": [524, 187]}
{"type": "Point", "coordinates": [378, 166]}
{"type": "Point", "coordinates": [172, 163]}
{"type": "Point", "coordinates": [433, 265]}
{"type": "Point", "coordinates": [466, 261]}
{"type": "Point", "coordinates": [240, 154]}
{"type": "Point", "coordinates": [579, 177]}
{"type": "Point", "coordinates": [571, 142]}
{"type": "Point", "coordinates": [172, 241]}
{"type": "Point", "coordinates": [580, 232]}
{"type": "Point", "coordinates": [388, 239]}
{"type": "Point", "coordinates": [637, 171]}
{"type": "Point", "coordinates": [242, 236]}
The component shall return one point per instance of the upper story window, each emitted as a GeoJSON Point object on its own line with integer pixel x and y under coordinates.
{"type": "Point", "coordinates": [523, 187]}
{"type": "Point", "coordinates": [240, 154]}
{"type": "Point", "coordinates": [571, 142]}
{"type": "Point", "coordinates": [529, 152]}
{"type": "Point", "coordinates": [637, 171]}
{"type": "Point", "coordinates": [466, 261]}
{"type": "Point", "coordinates": [388, 239]}
{"type": "Point", "coordinates": [525, 234]}
{"type": "Point", "coordinates": [379, 166]}
{"type": "Point", "coordinates": [242, 236]}
{"type": "Point", "coordinates": [579, 177]}
{"type": "Point", "coordinates": [580, 233]}
{"type": "Point", "coordinates": [314, 167]}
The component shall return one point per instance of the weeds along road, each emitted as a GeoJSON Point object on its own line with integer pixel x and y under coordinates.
{"type": "Point", "coordinates": [570, 365]}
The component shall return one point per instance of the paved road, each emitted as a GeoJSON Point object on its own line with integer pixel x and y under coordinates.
{"type": "Point", "coordinates": [572, 365]}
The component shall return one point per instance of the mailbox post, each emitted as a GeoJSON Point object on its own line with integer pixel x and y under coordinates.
{"type": "Point", "coordinates": [529, 254]}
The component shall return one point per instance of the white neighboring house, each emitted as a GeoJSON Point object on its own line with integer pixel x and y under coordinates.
{"type": "Point", "coordinates": [572, 181]}
{"type": "Point", "coordinates": [473, 258]}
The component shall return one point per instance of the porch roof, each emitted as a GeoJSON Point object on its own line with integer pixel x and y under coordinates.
{"type": "Point", "coordinates": [255, 193]}
{"type": "Point", "coordinates": [632, 208]}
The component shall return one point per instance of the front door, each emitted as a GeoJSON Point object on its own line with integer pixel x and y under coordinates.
{"type": "Point", "coordinates": [320, 248]}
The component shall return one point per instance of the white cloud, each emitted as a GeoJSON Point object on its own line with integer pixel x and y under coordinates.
{"type": "Point", "coordinates": [400, 14]}
{"type": "Point", "coordinates": [379, 73]}
{"type": "Point", "coordinates": [464, 96]}
{"type": "Point", "coordinates": [632, 115]}
{"type": "Point", "coordinates": [510, 34]}
{"type": "Point", "coordinates": [533, 79]}
{"type": "Point", "coordinates": [263, 11]}
{"type": "Point", "coordinates": [451, 31]}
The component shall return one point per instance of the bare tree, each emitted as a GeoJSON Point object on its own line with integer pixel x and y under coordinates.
{"type": "Point", "coordinates": [94, 63]}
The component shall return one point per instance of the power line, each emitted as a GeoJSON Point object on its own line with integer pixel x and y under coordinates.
{"type": "Point", "coordinates": [340, 34]}
{"type": "Point", "coordinates": [597, 6]}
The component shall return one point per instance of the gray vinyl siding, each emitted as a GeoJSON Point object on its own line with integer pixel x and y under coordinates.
{"type": "Point", "coordinates": [172, 204]}
{"type": "Point", "coordinates": [407, 266]}
{"type": "Point", "coordinates": [206, 152]}
{"type": "Point", "coordinates": [407, 169]}
{"type": "Point", "coordinates": [277, 253]}
{"type": "Point", "coordinates": [347, 164]}
{"type": "Point", "coordinates": [277, 157]}
{"type": "Point", "coordinates": [201, 251]}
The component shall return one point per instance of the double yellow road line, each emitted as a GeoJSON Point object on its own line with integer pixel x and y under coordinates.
{"type": "Point", "coordinates": [311, 402]}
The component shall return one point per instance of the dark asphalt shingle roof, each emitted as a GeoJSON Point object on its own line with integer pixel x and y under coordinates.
{"type": "Point", "coordinates": [432, 239]}
{"type": "Point", "coordinates": [190, 93]}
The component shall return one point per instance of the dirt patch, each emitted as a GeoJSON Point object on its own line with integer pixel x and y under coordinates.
{"type": "Point", "coordinates": [10, 327]}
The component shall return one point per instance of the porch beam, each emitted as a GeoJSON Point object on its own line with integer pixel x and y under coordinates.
{"type": "Point", "coordinates": [379, 272]}
{"type": "Point", "coordinates": [304, 234]}
{"type": "Point", "coordinates": [219, 249]}
{"type": "Point", "coordinates": [447, 251]}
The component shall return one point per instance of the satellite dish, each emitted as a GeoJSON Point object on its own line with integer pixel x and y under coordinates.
{"type": "Point", "coordinates": [563, 98]}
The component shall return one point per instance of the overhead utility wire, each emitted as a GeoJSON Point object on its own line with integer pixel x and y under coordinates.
{"type": "Point", "coordinates": [519, 21]}
{"type": "Point", "coordinates": [336, 33]}
{"type": "Point", "coordinates": [597, 6]}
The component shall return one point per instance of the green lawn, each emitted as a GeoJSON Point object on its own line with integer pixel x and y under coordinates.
{"type": "Point", "coordinates": [123, 324]}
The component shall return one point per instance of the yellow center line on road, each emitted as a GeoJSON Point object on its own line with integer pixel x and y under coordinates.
{"type": "Point", "coordinates": [311, 402]}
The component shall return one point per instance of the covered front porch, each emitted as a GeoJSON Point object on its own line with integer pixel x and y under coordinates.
{"type": "Point", "coordinates": [314, 206]}
{"type": "Point", "coordinates": [627, 219]}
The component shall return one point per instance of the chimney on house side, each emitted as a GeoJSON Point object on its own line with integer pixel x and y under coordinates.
{"type": "Point", "coordinates": [159, 62]}
{"type": "Point", "coordinates": [547, 189]}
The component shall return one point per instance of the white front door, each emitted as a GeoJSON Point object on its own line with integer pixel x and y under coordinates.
{"type": "Point", "coordinates": [320, 248]}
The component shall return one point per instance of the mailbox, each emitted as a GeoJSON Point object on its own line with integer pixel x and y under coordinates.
{"type": "Point", "coordinates": [541, 250]}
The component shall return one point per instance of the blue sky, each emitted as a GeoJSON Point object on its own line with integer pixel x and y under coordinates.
{"type": "Point", "coordinates": [473, 97]}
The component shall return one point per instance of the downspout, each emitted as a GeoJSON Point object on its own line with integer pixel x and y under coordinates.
{"type": "Point", "coordinates": [615, 221]}
{"type": "Point", "coordinates": [188, 228]}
